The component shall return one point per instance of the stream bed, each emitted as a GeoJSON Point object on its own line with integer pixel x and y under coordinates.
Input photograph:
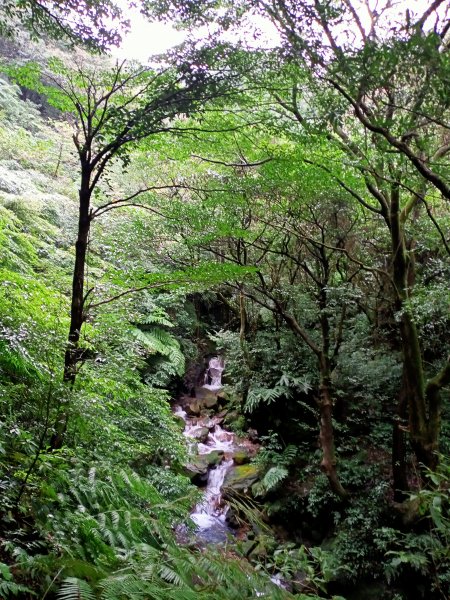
{"type": "Point", "coordinates": [216, 445]}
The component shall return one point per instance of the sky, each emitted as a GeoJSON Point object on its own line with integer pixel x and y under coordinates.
{"type": "Point", "coordinates": [146, 39]}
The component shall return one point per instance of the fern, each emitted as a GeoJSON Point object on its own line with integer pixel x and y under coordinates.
{"type": "Point", "coordinates": [159, 341]}
{"type": "Point", "coordinates": [75, 589]}
{"type": "Point", "coordinates": [9, 587]}
{"type": "Point", "coordinates": [271, 480]}
{"type": "Point", "coordinates": [261, 395]}
{"type": "Point", "coordinates": [159, 317]}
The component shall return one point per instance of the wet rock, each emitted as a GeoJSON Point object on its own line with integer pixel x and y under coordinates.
{"type": "Point", "coordinates": [179, 421]}
{"type": "Point", "coordinates": [213, 458]}
{"type": "Point", "coordinates": [241, 478]}
{"type": "Point", "coordinates": [197, 471]}
{"type": "Point", "coordinates": [223, 398]}
{"type": "Point", "coordinates": [232, 519]}
{"type": "Point", "coordinates": [231, 417]}
{"type": "Point", "coordinates": [252, 435]}
{"type": "Point", "coordinates": [210, 401]}
{"type": "Point", "coordinates": [200, 434]}
{"type": "Point", "coordinates": [193, 409]}
{"type": "Point", "coordinates": [241, 456]}
{"type": "Point", "coordinates": [210, 424]}
{"type": "Point", "coordinates": [198, 467]}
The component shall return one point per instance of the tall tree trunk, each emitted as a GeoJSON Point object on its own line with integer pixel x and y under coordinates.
{"type": "Point", "coordinates": [399, 473]}
{"type": "Point", "coordinates": [424, 417]}
{"type": "Point", "coordinates": [326, 435]}
{"type": "Point", "coordinates": [72, 353]}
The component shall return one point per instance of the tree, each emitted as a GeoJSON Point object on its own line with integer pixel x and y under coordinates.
{"type": "Point", "coordinates": [372, 81]}
{"type": "Point", "coordinates": [96, 24]}
{"type": "Point", "coordinates": [113, 111]}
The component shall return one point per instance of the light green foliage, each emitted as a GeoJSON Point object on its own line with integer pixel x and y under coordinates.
{"type": "Point", "coordinates": [14, 111]}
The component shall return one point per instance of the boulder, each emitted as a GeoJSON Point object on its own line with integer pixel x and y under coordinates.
{"type": "Point", "coordinates": [213, 458]}
{"type": "Point", "coordinates": [197, 471]}
{"type": "Point", "coordinates": [241, 478]}
{"type": "Point", "coordinates": [210, 401]}
{"type": "Point", "coordinates": [193, 409]}
{"type": "Point", "coordinates": [223, 398]}
{"type": "Point", "coordinates": [241, 456]}
{"type": "Point", "coordinates": [200, 434]}
{"type": "Point", "coordinates": [197, 468]}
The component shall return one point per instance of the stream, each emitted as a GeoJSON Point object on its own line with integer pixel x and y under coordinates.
{"type": "Point", "coordinates": [206, 438]}
{"type": "Point", "coordinates": [209, 515]}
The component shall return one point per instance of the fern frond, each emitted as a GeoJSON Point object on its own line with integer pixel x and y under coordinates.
{"type": "Point", "coordinates": [73, 588]}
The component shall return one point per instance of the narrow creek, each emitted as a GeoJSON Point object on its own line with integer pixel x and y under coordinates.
{"type": "Point", "coordinates": [213, 450]}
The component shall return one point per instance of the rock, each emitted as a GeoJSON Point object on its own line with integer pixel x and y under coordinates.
{"type": "Point", "coordinates": [209, 423]}
{"type": "Point", "coordinates": [232, 519]}
{"type": "Point", "coordinates": [252, 435]}
{"type": "Point", "coordinates": [231, 417]}
{"type": "Point", "coordinates": [200, 434]}
{"type": "Point", "coordinates": [193, 409]}
{"type": "Point", "coordinates": [223, 398]}
{"type": "Point", "coordinates": [179, 421]}
{"type": "Point", "coordinates": [241, 456]}
{"type": "Point", "coordinates": [241, 478]}
{"type": "Point", "coordinates": [213, 458]}
{"type": "Point", "coordinates": [210, 401]}
{"type": "Point", "coordinates": [197, 469]}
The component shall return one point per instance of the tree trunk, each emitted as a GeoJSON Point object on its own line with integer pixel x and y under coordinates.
{"type": "Point", "coordinates": [424, 416]}
{"type": "Point", "coordinates": [72, 354]}
{"type": "Point", "coordinates": [399, 473]}
{"type": "Point", "coordinates": [326, 435]}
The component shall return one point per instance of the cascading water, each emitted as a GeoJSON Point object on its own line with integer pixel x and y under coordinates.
{"type": "Point", "coordinates": [209, 514]}
{"type": "Point", "coordinates": [213, 375]}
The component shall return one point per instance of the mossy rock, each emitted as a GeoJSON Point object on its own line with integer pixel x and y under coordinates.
{"type": "Point", "coordinates": [210, 401]}
{"type": "Point", "coordinates": [241, 478]}
{"type": "Point", "coordinates": [193, 409]}
{"type": "Point", "coordinates": [241, 456]}
{"type": "Point", "coordinates": [180, 422]}
{"type": "Point", "coordinates": [234, 421]}
{"type": "Point", "coordinates": [223, 398]}
{"type": "Point", "coordinates": [213, 458]}
{"type": "Point", "coordinates": [198, 467]}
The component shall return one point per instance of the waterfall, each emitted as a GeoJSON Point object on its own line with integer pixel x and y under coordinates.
{"type": "Point", "coordinates": [213, 375]}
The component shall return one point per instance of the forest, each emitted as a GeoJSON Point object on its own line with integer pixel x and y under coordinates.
{"type": "Point", "coordinates": [224, 301]}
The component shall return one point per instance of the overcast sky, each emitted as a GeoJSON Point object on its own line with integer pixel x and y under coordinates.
{"type": "Point", "coordinates": [145, 39]}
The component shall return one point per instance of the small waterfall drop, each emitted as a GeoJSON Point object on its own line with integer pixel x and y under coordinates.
{"type": "Point", "coordinates": [213, 375]}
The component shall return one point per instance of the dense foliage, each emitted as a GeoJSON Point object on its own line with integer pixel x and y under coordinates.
{"type": "Point", "coordinates": [286, 208]}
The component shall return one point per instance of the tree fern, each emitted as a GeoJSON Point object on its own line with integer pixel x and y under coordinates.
{"type": "Point", "coordinates": [159, 341]}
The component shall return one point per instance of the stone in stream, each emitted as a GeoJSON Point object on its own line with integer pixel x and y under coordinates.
{"type": "Point", "coordinates": [181, 423]}
{"type": "Point", "coordinates": [241, 478]}
{"type": "Point", "coordinates": [210, 401]}
{"type": "Point", "coordinates": [200, 434]}
{"type": "Point", "coordinates": [193, 409]}
{"type": "Point", "coordinates": [197, 469]}
{"type": "Point", "coordinates": [241, 456]}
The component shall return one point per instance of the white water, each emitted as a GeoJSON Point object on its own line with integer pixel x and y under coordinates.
{"type": "Point", "coordinates": [209, 514]}
{"type": "Point", "coordinates": [213, 375]}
